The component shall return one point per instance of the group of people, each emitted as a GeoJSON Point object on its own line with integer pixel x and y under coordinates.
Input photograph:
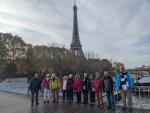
{"type": "Point", "coordinates": [91, 86]}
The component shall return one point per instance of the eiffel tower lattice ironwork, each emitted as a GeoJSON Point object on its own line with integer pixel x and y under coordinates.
{"type": "Point", "coordinates": [76, 46]}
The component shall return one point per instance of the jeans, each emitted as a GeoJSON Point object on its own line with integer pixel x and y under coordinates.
{"type": "Point", "coordinates": [46, 94]}
{"type": "Point", "coordinates": [35, 96]}
{"type": "Point", "coordinates": [110, 99]}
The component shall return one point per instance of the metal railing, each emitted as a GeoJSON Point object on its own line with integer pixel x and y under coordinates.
{"type": "Point", "coordinates": [141, 96]}
{"type": "Point", "coordinates": [14, 87]}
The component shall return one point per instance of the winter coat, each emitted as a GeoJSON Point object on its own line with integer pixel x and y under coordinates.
{"type": "Point", "coordinates": [78, 85]}
{"type": "Point", "coordinates": [46, 83]}
{"type": "Point", "coordinates": [129, 79]}
{"type": "Point", "coordinates": [35, 84]}
{"type": "Point", "coordinates": [85, 84]}
{"type": "Point", "coordinates": [108, 84]}
{"type": "Point", "coordinates": [91, 85]}
{"type": "Point", "coordinates": [70, 84]}
{"type": "Point", "coordinates": [54, 83]}
{"type": "Point", "coordinates": [98, 85]}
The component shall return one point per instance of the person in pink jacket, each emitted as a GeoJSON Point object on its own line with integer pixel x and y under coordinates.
{"type": "Point", "coordinates": [98, 88]}
{"type": "Point", "coordinates": [78, 88]}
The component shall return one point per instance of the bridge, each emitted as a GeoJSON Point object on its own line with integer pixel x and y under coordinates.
{"type": "Point", "coordinates": [140, 70]}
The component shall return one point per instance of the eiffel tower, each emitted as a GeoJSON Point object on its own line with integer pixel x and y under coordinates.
{"type": "Point", "coordinates": [76, 46]}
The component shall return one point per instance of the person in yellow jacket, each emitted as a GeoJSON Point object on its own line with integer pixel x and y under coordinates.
{"type": "Point", "coordinates": [54, 85]}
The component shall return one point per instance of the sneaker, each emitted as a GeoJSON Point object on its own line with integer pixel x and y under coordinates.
{"type": "Point", "coordinates": [37, 103]}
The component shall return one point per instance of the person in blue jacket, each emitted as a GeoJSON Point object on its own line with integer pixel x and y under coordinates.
{"type": "Point", "coordinates": [35, 86]}
{"type": "Point", "coordinates": [124, 82]}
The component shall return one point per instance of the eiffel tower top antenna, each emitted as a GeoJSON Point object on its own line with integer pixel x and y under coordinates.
{"type": "Point", "coordinates": [74, 2]}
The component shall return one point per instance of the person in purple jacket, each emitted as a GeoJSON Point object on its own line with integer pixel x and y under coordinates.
{"type": "Point", "coordinates": [70, 88]}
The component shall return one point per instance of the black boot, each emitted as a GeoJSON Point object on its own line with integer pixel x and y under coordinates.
{"type": "Point", "coordinates": [124, 108]}
{"type": "Point", "coordinates": [37, 103]}
{"type": "Point", "coordinates": [109, 107]}
{"type": "Point", "coordinates": [32, 104]}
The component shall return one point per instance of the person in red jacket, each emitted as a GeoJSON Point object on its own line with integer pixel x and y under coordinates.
{"type": "Point", "coordinates": [98, 88]}
{"type": "Point", "coordinates": [78, 88]}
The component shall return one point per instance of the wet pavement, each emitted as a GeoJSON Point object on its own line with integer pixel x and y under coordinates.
{"type": "Point", "coordinates": [16, 103]}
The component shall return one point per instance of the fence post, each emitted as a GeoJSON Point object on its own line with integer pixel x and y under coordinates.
{"type": "Point", "coordinates": [140, 95]}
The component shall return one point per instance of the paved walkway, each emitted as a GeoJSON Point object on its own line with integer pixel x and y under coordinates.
{"type": "Point", "coordinates": [16, 103]}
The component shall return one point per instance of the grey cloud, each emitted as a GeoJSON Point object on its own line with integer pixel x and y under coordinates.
{"type": "Point", "coordinates": [112, 28]}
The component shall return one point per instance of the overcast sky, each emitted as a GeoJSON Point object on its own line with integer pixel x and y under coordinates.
{"type": "Point", "coordinates": [116, 29]}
